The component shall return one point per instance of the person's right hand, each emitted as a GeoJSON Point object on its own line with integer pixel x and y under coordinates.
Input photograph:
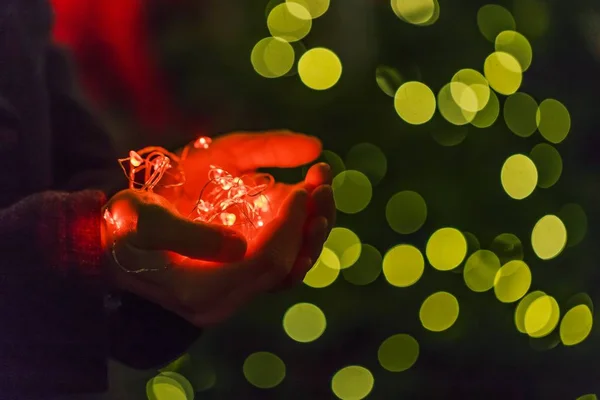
{"type": "Point", "coordinates": [211, 272]}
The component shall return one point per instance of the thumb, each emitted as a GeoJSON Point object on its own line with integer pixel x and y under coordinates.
{"type": "Point", "coordinates": [159, 228]}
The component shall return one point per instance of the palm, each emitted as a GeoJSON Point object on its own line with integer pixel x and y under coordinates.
{"type": "Point", "coordinates": [243, 154]}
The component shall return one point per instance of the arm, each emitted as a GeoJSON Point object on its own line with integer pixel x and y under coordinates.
{"type": "Point", "coordinates": [141, 334]}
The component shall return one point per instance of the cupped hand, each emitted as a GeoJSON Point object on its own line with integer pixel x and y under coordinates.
{"type": "Point", "coordinates": [246, 152]}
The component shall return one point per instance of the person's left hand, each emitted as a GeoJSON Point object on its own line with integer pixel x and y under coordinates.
{"type": "Point", "coordinates": [244, 153]}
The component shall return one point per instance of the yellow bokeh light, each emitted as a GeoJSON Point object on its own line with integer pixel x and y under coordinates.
{"type": "Point", "coordinates": [542, 316]}
{"type": "Point", "coordinates": [478, 85]}
{"type": "Point", "coordinates": [398, 353]}
{"type": "Point", "coordinates": [520, 114]}
{"type": "Point", "coordinates": [446, 249]}
{"type": "Point", "coordinates": [335, 162]}
{"type": "Point", "coordinates": [169, 385]}
{"type": "Point", "coordinates": [304, 322]}
{"type": "Point", "coordinates": [388, 79]}
{"type": "Point", "coordinates": [576, 325]}
{"type": "Point", "coordinates": [589, 396]}
{"type": "Point", "coordinates": [368, 159]}
{"type": "Point", "coordinates": [315, 8]}
{"type": "Point", "coordinates": [493, 19]}
{"type": "Point", "coordinates": [406, 212]}
{"type": "Point", "coordinates": [575, 219]}
{"type": "Point", "coordinates": [439, 311]}
{"type": "Point", "coordinates": [517, 45]}
{"type": "Point", "coordinates": [450, 135]}
{"type": "Point", "coordinates": [522, 308]}
{"type": "Point", "coordinates": [264, 370]}
{"type": "Point", "coordinates": [415, 102]}
{"type": "Point", "coordinates": [289, 21]}
{"type": "Point", "coordinates": [486, 117]}
{"type": "Point", "coordinates": [345, 244]}
{"type": "Point", "coordinates": [512, 281]}
{"type": "Point", "coordinates": [417, 12]}
{"type": "Point", "coordinates": [325, 271]}
{"type": "Point", "coordinates": [519, 176]}
{"type": "Point", "coordinates": [366, 269]}
{"type": "Point", "coordinates": [461, 112]}
{"type": "Point", "coordinates": [352, 383]}
{"type": "Point", "coordinates": [403, 265]}
{"type": "Point", "coordinates": [548, 163]}
{"type": "Point", "coordinates": [534, 27]}
{"type": "Point", "coordinates": [507, 247]}
{"type": "Point", "coordinates": [480, 270]}
{"type": "Point", "coordinates": [503, 72]}
{"type": "Point", "coordinates": [352, 191]}
{"type": "Point", "coordinates": [549, 237]}
{"type": "Point", "coordinates": [272, 57]}
{"type": "Point", "coordinates": [553, 120]}
{"type": "Point", "coordinates": [319, 68]}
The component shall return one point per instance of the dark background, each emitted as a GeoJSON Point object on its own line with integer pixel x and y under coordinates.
{"type": "Point", "coordinates": [204, 48]}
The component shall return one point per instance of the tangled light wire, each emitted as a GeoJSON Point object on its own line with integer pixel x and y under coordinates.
{"type": "Point", "coordinates": [233, 201]}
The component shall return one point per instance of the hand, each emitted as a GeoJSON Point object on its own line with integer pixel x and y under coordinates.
{"type": "Point", "coordinates": [147, 231]}
{"type": "Point", "coordinates": [244, 153]}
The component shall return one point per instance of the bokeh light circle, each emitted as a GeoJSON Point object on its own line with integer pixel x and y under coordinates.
{"type": "Point", "coordinates": [315, 8]}
{"type": "Point", "coordinates": [446, 249]}
{"type": "Point", "coordinates": [417, 12]}
{"type": "Point", "coordinates": [403, 265]}
{"type": "Point", "coordinates": [522, 308]}
{"type": "Point", "coordinates": [486, 117]}
{"type": "Point", "coordinates": [576, 325]}
{"type": "Point", "coordinates": [548, 163]}
{"type": "Point", "coordinates": [272, 57]}
{"type": "Point", "coordinates": [480, 270]}
{"type": "Point", "coordinates": [388, 79]}
{"type": "Point", "coordinates": [352, 383]}
{"type": "Point", "coordinates": [439, 311]}
{"type": "Point", "coordinates": [352, 191]}
{"type": "Point", "coordinates": [553, 120]}
{"type": "Point", "coordinates": [264, 370]}
{"type": "Point", "coordinates": [304, 322]}
{"type": "Point", "coordinates": [503, 72]}
{"type": "Point", "coordinates": [542, 316]}
{"type": "Point", "coordinates": [368, 159]}
{"type": "Point", "coordinates": [507, 247]}
{"type": "Point", "coordinates": [450, 135]}
{"type": "Point", "coordinates": [398, 353]}
{"type": "Point", "coordinates": [345, 244]}
{"type": "Point", "coordinates": [169, 385]}
{"type": "Point", "coordinates": [319, 68]}
{"type": "Point", "coordinates": [406, 212]}
{"type": "Point", "coordinates": [520, 111]}
{"type": "Point", "coordinates": [366, 269]}
{"type": "Point", "coordinates": [478, 85]}
{"type": "Point", "coordinates": [289, 21]}
{"type": "Point", "coordinates": [519, 176]}
{"type": "Point", "coordinates": [461, 112]}
{"type": "Point", "coordinates": [549, 237]}
{"type": "Point", "coordinates": [512, 281]}
{"type": "Point", "coordinates": [517, 45]}
{"type": "Point", "coordinates": [415, 102]}
{"type": "Point", "coordinates": [493, 19]}
{"type": "Point", "coordinates": [576, 222]}
{"type": "Point", "coordinates": [325, 271]}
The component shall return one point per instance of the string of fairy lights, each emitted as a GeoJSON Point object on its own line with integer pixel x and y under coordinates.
{"type": "Point", "coordinates": [471, 98]}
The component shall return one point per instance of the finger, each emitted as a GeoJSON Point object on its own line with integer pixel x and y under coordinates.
{"type": "Point", "coordinates": [314, 239]}
{"type": "Point", "coordinates": [281, 149]}
{"type": "Point", "coordinates": [161, 229]}
{"type": "Point", "coordinates": [319, 174]}
{"type": "Point", "coordinates": [323, 204]}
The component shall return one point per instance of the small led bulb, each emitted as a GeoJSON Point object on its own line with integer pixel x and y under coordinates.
{"type": "Point", "coordinates": [228, 219]}
{"type": "Point", "coordinates": [135, 159]}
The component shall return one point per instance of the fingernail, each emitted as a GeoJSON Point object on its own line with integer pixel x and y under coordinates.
{"type": "Point", "coordinates": [322, 224]}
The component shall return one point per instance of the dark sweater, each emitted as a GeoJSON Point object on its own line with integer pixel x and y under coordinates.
{"type": "Point", "coordinates": [57, 169]}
